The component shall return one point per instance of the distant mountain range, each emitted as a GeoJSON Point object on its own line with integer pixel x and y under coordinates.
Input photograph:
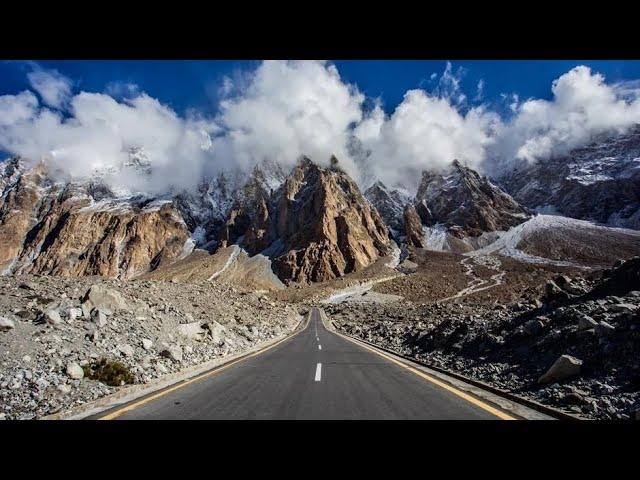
{"type": "Point", "coordinates": [313, 223]}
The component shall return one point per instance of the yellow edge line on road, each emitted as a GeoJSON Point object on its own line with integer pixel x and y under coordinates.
{"type": "Point", "coordinates": [459, 393]}
{"type": "Point", "coordinates": [146, 400]}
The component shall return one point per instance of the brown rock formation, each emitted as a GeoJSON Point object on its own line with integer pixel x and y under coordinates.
{"type": "Point", "coordinates": [315, 227]}
{"type": "Point", "coordinates": [56, 229]}
{"type": "Point", "coordinates": [326, 226]}
{"type": "Point", "coordinates": [413, 227]}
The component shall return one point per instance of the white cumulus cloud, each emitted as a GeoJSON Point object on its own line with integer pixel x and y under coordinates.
{"type": "Point", "coordinates": [288, 109]}
{"type": "Point", "coordinates": [285, 109]}
{"type": "Point", "coordinates": [53, 87]}
{"type": "Point", "coordinates": [583, 106]}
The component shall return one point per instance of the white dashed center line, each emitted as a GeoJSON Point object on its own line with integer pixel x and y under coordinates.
{"type": "Point", "coordinates": [318, 372]}
{"type": "Point", "coordinates": [319, 347]}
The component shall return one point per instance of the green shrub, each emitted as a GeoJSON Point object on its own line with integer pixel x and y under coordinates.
{"type": "Point", "coordinates": [110, 372]}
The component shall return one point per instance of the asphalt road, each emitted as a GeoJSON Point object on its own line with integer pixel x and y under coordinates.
{"type": "Point", "coordinates": [315, 374]}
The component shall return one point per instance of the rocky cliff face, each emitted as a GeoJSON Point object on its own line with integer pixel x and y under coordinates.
{"type": "Point", "coordinates": [460, 197]}
{"type": "Point", "coordinates": [314, 224]}
{"type": "Point", "coordinates": [315, 227]}
{"type": "Point", "coordinates": [600, 182]}
{"type": "Point", "coordinates": [448, 211]}
{"type": "Point", "coordinates": [81, 229]}
{"type": "Point", "coordinates": [390, 204]}
{"type": "Point", "coordinates": [326, 226]}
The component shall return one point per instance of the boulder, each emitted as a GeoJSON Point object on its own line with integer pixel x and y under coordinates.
{"type": "Point", "coordinates": [74, 313]}
{"type": "Point", "coordinates": [6, 324]}
{"type": "Point", "coordinates": [86, 310]}
{"type": "Point", "coordinates": [99, 317]}
{"type": "Point", "coordinates": [52, 317]}
{"type": "Point", "coordinates": [64, 388]}
{"type": "Point", "coordinates": [75, 371]}
{"type": "Point", "coordinates": [125, 349]}
{"type": "Point", "coordinates": [623, 308]}
{"type": "Point", "coordinates": [533, 327]}
{"type": "Point", "coordinates": [147, 344]}
{"type": "Point", "coordinates": [192, 330]}
{"type": "Point", "coordinates": [216, 331]}
{"type": "Point", "coordinates": [174, 353]}
{"type": "Point", "coordinates": [103, 297]}
{"type": "Point", "coordinates": [553, 293]}
{"type": "Point", "coordinates": [586, 322]}
{"type": "Point", "coordinates": [564, 367]}
{"type": "Point", "coordinates": [603, 329]}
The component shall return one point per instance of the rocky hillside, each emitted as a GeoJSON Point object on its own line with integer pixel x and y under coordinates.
{"type": "Point", "coordinates": [314, 224]}
{"type": "Point", "coordinates": [67, 341]}
{"type": "Point", "coordinates": [390, 204]}
{"type": "Point", "coordinates": [599, 182]}
{"type": "Point", "coordinates": [461, 199]}
{"type": "Point", "coordinates": [574, 347]}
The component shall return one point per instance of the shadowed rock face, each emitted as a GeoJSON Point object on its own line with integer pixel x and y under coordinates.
{"type": "Point", "coordinates": [413, 227]}
{"type": "Point", "coordinates": [460, 197]}
{"type": "Point", "coordinates": [599, 182]}
{"type": "Point", "coordinates": [60, 229]}
{"type": "Point", "coordinates": [390, 204]}
{"type": "Point", "coordinates": [461, 201]}
{"type": "Point", "coordinates": [315, 227]}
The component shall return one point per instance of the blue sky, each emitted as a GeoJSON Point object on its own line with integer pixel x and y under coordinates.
{"type": "Point", "coordinates": [492, 115]}
{"type": "Point", "coordinates": [194, 84]}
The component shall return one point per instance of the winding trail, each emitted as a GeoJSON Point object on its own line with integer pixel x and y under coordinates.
{"type": "Point", "coordinates": [477, 284]}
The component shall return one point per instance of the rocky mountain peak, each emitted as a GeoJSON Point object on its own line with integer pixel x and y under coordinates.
{"type": "Point", "coordinates": [315, 226]}
{"type": "Point", "coordinates": [390, 203]}
{"type": "Point", "coordinates": [459, 196]}
{"type": "Point", "coordinates": [326, 226]}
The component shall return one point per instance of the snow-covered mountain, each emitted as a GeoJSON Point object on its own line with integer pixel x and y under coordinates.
{"type": "Point", "coordinates": [450, 210]}
{"type": "Point", "coordinates": [311, 223]}
{"type": "Point", "coordinates": [599, 182]}
{"type": "Point", "coordinates": [390, 203]}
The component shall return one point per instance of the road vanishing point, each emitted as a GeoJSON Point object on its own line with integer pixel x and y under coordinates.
{"type": "Point", "coordinates": [314, 374]}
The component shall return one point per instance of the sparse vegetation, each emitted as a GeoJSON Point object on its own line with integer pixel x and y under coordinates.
{"type": "Point", "coordinates": [110, 372]}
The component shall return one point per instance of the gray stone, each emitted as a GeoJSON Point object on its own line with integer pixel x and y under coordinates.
{"type": "Point", "coordinates": [93, 334]}
{"type": "Point", "coordinates": [533, 327]}
{"type": "Point", "coordinates": [86, 310]}
{"type": "Point", "coordinates": [103, 297]}
{"type": "Point", "coordinates": [147, 344]}
{"type": "Point", "coordinates": [52, 317]}
{"type": "Point", "coordinates": [216, 331]}
{"type": "Point", "coordinates": [174, 353]}
{"type": "Point", "coordinates": [586, 322]}
{"type": "Point", "coordinates": [564, 367]}
{"type": "Point", "coordinates": [623, 308]}
{"type": "Point", "coordinates": [75, 371]}
{"type": "Point", "coordinates": [192, 331]}
{"type": "Point", "coordinates": [6, 324]}
{"type": "Point", "coordinates": [64, 388]}
{"type": "Point", "coordinates": [603, 329]}
{"type": "Point", "coordinates": [99, 317]}
{"type": "Point", "coordinates": [125, 349]}
{"type": "Point", "coordinates": [74, 313]}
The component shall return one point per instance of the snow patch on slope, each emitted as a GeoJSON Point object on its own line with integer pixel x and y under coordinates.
{"type": "Point", "coordinates": [507, 243]}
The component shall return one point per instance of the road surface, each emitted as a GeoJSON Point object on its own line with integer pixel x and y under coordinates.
{"type": "Point", "coordinates": [316, 374]}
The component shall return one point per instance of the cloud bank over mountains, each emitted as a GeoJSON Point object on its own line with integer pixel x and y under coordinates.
{"type": "Point", "coordinates": [285, 109]}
